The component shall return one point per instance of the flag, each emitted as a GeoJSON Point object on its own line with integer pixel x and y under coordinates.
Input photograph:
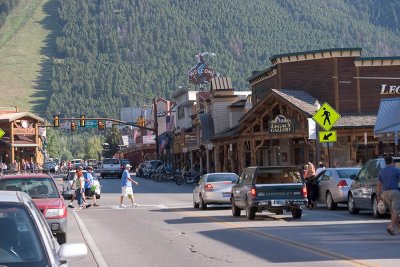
{"type": "Point", "coordinates": [135, 134]}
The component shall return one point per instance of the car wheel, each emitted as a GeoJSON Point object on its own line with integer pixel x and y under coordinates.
{"type": "Point", "coordinates": [235, 210]}
{"type": "Point", "coordinates": [195, 205]}
{"type": "Point", "coordinates": [330, 202]}
{"type": "Point", "coordinates": [375, 211]}
{"type": "Point", "coordinates": [250, 212]}
{"type": "Point", "coordinates": [61, 238]}
{"type": "Point", "coordinates": [202, 205]}
{"type": "Point", "coordinates": [296, 213]}
{"type": "Point", "coordinates": [352, 206]}
{"type": "Point", "coordinates": [279, 212]}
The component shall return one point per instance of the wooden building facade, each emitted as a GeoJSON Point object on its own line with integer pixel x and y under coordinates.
{"type": "Point", "coordinates": [275, 130]}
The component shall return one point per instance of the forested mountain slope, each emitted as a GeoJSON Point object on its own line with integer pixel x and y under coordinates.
{"type": "Point", "coordinates": [108, 53]}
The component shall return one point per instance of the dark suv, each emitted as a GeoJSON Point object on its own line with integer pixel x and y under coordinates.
{"type": "Point", "coordinates": [362, 193]}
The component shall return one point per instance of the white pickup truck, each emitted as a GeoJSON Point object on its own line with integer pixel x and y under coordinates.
{"type": "Point", "coordinates": [111, 167]}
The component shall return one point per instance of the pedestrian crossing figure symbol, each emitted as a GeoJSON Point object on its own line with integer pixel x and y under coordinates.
{"type": "Point", "coordinates": [326, 116]}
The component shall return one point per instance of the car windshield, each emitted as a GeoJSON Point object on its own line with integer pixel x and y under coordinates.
{"type": "Point", "coordinates": [346, 173]}
{"type": "Point", "coordinates": [221, 177]}
{"type": "Point", "coordinates": [111, 161]}
{"type": "Point", "coordinates": [20, 244]}
{"type": "Point", "coordinates": [34, 187]}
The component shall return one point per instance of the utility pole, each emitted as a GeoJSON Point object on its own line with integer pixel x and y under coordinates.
{"type": "Point", "coordinates": [156, 128]}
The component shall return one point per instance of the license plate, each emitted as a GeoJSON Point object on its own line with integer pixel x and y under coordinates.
{"type": "Point", "coordinates": [226, 194]}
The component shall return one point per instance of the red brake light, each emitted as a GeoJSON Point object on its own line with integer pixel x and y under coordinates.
{"type": "Point", "coordinates": [208, 187]}
{"type": "Point", "coordinates": [342, 183]}
{"type": "Point", "coordinates": [304, 191]}
{"type": "Point", "coordinates": [253, 192]}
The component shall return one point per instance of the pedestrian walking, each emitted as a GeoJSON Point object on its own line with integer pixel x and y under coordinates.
{"type": "Point", "coordinates": [126, 184]}
{"type": "Point", "coordinates": [311, 184]}
{"type": "Point", "coordinates": [388, 190]}
{"type": "Point", "coordinates": [79, 185]}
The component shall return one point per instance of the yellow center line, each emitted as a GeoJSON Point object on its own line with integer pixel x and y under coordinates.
{"type": "Point", "coordinates": [314, 250]}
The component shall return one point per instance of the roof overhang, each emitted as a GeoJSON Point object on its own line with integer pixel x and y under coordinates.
{"type": "Point", "coordinates": [387, 120]}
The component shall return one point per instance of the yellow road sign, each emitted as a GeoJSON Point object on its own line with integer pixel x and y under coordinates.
{"type": "Point", "coordinates": [326, 116]}
{"type": "Point", "coordinates": [327, 137]}
{"type": "Point", "coordinates": [2, 133]}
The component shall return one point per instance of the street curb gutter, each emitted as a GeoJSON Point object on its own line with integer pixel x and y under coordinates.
{"type": "Point", "coordinates": [90, 242]}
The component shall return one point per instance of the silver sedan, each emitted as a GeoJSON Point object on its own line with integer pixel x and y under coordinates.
{"type": "Point", "coordinates": [214, 188]}
{"type": "Point", "coordinates": [334, 184]}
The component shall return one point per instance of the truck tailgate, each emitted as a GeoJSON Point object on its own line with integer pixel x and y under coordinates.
{"type": "Point", "coordinates": [279, 191]}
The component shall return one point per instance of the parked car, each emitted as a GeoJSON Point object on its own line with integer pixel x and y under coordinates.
{"type": "Point", "coordinates": [214, 188]}
{"type": "Point", "coordinates": [51, 166]}
{"type": "Point", "coordinates": [362, 193]}
{"type": "Point", "coordinates": [334, 184]}
{"type": "Point", "coordinates": [92, 162]}
{"type": "Point", "coordinates": [26, 239]}
{"type": "Point", "coordinates": [68, 182]}
{"type": "Point", "coordinates": [272, 188]}
{"type": "Point", "coordinates": [74, 162]}
{"type": "Point", "coordinates": [45, 194]}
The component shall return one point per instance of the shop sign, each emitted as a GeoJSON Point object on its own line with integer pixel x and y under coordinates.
{"type": "Point", "coordinates": [390, 90]}
{"type": "Point", "coordinates": [280, 125]}
{"type": "Point", "coordinates": [26, 131]}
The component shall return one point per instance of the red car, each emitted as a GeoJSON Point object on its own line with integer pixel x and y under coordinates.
{"type": "Point", "coordinates": [43, 190]}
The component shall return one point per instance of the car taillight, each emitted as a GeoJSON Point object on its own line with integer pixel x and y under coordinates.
{"type": "Point", "coordinates": [304, 191]}
{"type": "Point", "coordinates": [253, 192]}
{"type": "Point", "coordinates": [208, 187]}
{"type": "Point", "coordinates": [342, 183]}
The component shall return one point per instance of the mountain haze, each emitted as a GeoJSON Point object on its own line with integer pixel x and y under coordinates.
{"type": "Point", "coordinates": [108, 54]}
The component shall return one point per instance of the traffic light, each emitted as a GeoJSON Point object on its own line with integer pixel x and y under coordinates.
{"type": "Point", "coordinates": [82, 121]}
{"type": "Point", "coordinates": [100, 125]}
{"type": "Point", "coordinates": [56, 121]}
{"type": "Point", "coordinates": [140, 121]}
{"type": "Point", "coordinates": [73, 126]}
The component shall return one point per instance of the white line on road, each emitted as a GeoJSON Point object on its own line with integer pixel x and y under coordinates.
{"type": "Point", "coordinates": [90, 242]}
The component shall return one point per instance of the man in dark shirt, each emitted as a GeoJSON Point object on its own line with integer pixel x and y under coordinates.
{"type": "Point", "coordinates": [388, 189]}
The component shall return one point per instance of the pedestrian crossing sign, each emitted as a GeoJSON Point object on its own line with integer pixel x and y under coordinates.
{"type": "Point", "coordinates": [326, 116]}
{"type": "Point", "coordinates": [327, 137]}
